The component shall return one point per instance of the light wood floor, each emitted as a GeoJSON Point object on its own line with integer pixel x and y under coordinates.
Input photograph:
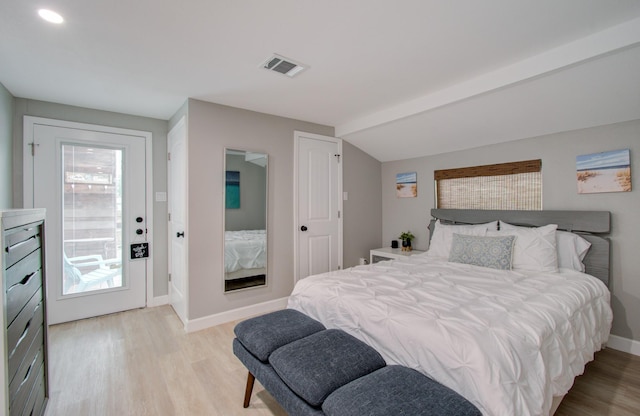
{"type": "Point", "coordinates": [141, 362]}
{"type": "Point", "coordinates": [609, 386]}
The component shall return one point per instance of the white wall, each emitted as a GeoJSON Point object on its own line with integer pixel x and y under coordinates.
{"type": "Point", "coordinates": [6, 129]}
{"type": "Point", "coordinates": [558, 153]}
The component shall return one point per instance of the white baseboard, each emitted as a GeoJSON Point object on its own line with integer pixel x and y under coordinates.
{"type": "Point", "coordinates": [624, 344]}
{"type": "Point", "coordinates": [158, 301]}
{"type": "Point", "coordinates": [235, 314]}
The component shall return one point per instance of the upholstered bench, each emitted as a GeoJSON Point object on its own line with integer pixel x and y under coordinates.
{"type": "Point", "coordinates": [310, 370]}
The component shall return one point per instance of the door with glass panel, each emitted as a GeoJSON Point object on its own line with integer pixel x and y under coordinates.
{"type": "Point", "coordinates": [92, 184]}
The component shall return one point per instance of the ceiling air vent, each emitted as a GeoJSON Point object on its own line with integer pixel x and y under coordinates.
{"type": "Point", "coordinates": [282, 65]}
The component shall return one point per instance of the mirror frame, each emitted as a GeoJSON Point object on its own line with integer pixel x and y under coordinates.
{"type": "Point", "coordinates": [226, 152]}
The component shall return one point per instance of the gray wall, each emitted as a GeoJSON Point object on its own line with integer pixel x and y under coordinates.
{"type": "Point", "coordinates": [253, 196]}
{"type": "Point", "coordinates": [158, 128]}
{"type": "Point", "coordinates": [558, 153]}
{"type": "Point", "coordinates": [6, 128]}
{"type": "Point", "coordinates": [362, 225]}
{"type": "Point", "coordinates": [211, 128]}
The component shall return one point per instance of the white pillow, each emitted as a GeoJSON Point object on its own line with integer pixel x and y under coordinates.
{"type": "Point", "coordinates": [535, 249]}
{"type": "Point", "coordinates": [571, 250]}
{"type": "Point", "coordinates": [440, 244]}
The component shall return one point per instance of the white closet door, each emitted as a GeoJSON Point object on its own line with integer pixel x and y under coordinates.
{"type": "Point", "coordinates": [319, 204]}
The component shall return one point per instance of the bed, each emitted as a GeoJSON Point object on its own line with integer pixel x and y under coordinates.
{"type": "Point", "coordinates": [510, 341]}
{"type": "Point", "coordinates": [245, 253]}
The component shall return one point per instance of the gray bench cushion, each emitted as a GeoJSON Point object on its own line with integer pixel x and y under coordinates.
{"type": "Point", "coordinates": [397, 390]}
{"type": "Point", "coordinates": [264, 373]}
{"type": "Point", "coordinates": [315, 366]}
{"type": "Point", "coordinates": [266, 333]}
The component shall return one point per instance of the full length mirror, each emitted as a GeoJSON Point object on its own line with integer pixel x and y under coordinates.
{"type": "Point", "coordinates": [245, 219]}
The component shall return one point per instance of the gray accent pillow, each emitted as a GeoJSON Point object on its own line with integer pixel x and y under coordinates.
{"type": "Point", "coordinates": [494, 252]}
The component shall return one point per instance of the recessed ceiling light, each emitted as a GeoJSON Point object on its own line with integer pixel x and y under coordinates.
{"type": "Point", "coordinates": [50, 16]}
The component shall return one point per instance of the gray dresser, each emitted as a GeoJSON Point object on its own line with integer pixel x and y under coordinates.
{"type": "Point", "coordinates": [24, 333]}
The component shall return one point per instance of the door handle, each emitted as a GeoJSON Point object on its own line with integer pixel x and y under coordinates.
{"type": "Point", "coordinates": [180, 234]}
{"type": "Point", "coordinates": [303, 228]}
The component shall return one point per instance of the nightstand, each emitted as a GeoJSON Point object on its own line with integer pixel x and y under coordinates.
{"type": "Point", "coordinates": [388, 253]}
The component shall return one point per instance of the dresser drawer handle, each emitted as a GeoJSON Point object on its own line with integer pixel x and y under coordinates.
{"type": "Point", "coordinates": [22, 337]}
{"type": "Point", "coordinates": [26, 376]}
{"type": "Point", "coordinates": [22, 282]}
{"type": "Point", "coordinates": [15, 246]}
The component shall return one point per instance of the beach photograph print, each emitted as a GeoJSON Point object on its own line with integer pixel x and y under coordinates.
{"type": "Point", "coordinates": [604, 172]}
{"type": "Point", "coordinates": [406, 185]}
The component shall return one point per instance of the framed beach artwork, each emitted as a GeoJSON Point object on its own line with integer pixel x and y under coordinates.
{"type": "Point", "coordinates": [407, 185]}
{"type": "Point", "coordinates": [604, 172]}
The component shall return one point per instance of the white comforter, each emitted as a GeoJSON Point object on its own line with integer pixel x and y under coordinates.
{"type": "Point", "coordinates": [244, 249]}
{"type": "Point", "coordinates": [505, 340]}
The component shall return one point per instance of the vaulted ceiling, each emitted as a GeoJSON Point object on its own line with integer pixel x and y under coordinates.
{"type": "Point", "coordinates": [398, 79]}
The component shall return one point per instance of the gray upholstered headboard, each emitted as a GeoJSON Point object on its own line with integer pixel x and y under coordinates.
{"type": "Point", "coordinates": [589, 224]}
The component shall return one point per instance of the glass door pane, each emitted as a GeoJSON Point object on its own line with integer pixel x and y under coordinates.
{"type": "Point", "coordinates": [92, 218]}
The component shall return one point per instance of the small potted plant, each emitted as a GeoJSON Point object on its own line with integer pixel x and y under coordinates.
{"type": "Point", "coordinates": [406, 238]}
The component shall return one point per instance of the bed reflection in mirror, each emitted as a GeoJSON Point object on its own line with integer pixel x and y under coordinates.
{"type": "Point", "coordinates": [245, 219]}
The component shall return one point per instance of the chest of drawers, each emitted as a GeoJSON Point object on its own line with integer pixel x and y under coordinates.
{"type": "Point", "coordinates": [24, 332]}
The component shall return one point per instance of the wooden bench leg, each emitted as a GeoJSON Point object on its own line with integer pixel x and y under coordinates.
{"type": "Point", "coordinates": [247, 394]}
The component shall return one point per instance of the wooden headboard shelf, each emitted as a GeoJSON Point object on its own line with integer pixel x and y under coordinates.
{"type": "Point", "coordinates": [589, 224]}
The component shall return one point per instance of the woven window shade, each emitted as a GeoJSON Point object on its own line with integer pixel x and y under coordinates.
{"type": "Point", "coordinates": [504, 186]}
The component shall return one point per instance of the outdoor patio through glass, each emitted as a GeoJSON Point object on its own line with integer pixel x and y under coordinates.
{"type": "Point", "coordinates": [92, 218]}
